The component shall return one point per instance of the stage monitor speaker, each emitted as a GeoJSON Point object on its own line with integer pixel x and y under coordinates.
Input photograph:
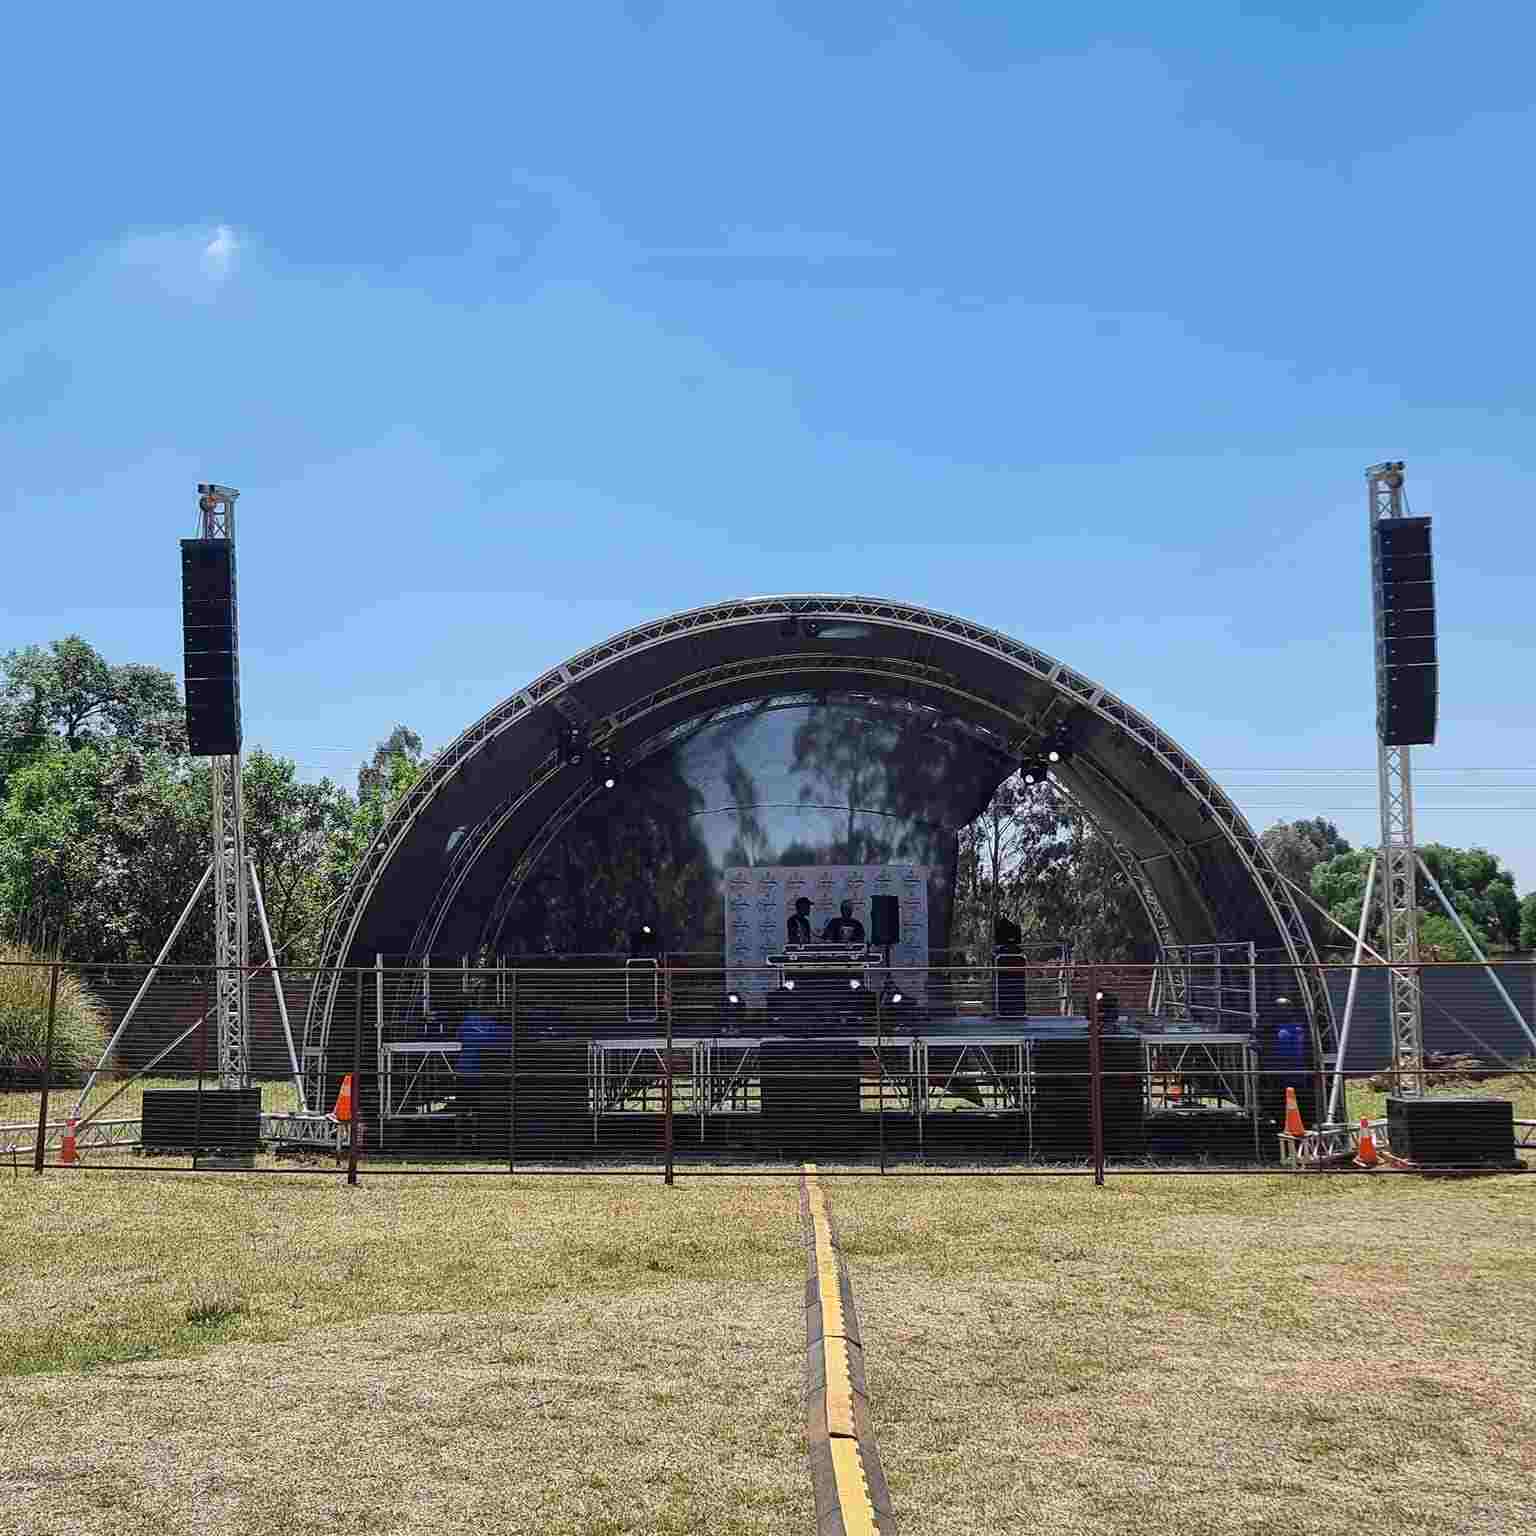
{"type": "Point", "coordinates": [211, 648]}
{"type": "Point", "coordinates": [884, 920]}
{"type": "Point", "coordinates": [1453, 1132]}
{"type": "Point", "coordinates": [182, 1120]}
{"type": "Point", "coordinates": [1407, 664]}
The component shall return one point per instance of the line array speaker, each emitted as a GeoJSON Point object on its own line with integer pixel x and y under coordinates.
{"type": "Point", "coordinates": [1407, 663]}
{"type": "Point", "coordinates": [211, 647]}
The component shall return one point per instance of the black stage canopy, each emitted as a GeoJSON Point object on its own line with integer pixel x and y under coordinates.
{"type": "Point", "coordinates": [938, 708]}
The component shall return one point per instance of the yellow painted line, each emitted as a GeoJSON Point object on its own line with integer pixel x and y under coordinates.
{"type": "Point", "coordinates": [854, 1502]}
{"type": "Point", "coordinates": [852, 1491]}
{"type": "Point", "coordinates": [839, 1388]}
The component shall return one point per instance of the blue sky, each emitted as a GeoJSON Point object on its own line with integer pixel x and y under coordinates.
{"type": "Point", "coordinates": [516, 326]}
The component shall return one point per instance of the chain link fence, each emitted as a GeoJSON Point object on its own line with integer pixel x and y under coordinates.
{"type": "Point", "coordinates": [668, 1066]}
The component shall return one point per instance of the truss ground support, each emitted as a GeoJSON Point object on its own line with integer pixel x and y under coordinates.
{"type": "Point", "coordinates": [138, 997]}
{"type": "Point", "coordinates": [1336, 1092]}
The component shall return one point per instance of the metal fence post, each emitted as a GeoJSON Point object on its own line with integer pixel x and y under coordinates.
{"type": "Point", "coordinates": [357, 1078]}
{"type": "Point", "coordinates": [880, 1065]}
{"type": "Point", "coordinates": [210, 986]}
{"type": "Point", "coordinates": [667, 1076]}
{"type": "Point", "coordinates": [1096, 1076]}
{"type": "Point", "coordinates": [42, 1108]}
{"type": "Point", "coordinates": [512, 1077]}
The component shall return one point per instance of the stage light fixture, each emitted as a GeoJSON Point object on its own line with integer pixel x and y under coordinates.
{"type": "Point", "coordinates": [895, 997]}
{"type": "Point", "coordinates": [789, 629]}
{"type": "Point", "coordinates": [605, 770]}
{"type": "Point", "coordinates": [1058, 745]}
{"type": "Point", "coordinates": [572, 746]}
{"type": "Point", "coordinates": [854, 984]}
{"type": "Point", "coordinates": [1033, 770]}
{"type": "Point", "coordinates": [733, 999]}
{"type": "Point", "coordinates": [1109, 1006]}
{"type": "Point", "coordinates": [789, 984]}
{"type": "Point", "coordinates": [812, 628]}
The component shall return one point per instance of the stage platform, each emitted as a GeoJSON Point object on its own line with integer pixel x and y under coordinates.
{"type": "Point", "coordinates": [1012, 1088]}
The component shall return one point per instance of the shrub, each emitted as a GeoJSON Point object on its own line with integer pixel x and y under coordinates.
{"type": "Point", "coordinates": [80, 1021]}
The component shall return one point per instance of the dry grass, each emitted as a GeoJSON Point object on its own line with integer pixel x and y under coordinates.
{"type": "Point", "coordinates": [21, 1108]}
{"type": "Point", "coordinates": [562, 1355]}
{"type": "Point", "coordinates": [1207, 1355]}
{"type": "Point", "coordinates": [606, 1356]}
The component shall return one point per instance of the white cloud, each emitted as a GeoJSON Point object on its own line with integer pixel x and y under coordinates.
{"type": "Point", "coordinates": [193, 263]}
{"type": "Point", "coordinates": [220, 252]}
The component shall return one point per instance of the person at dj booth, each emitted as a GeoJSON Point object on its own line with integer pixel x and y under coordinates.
{"type": "Point", "coordinates": [799, 924]}
{"type": "Point", "coordinates": [845, 928]}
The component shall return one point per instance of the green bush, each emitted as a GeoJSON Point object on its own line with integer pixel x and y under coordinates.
{"type": "Point", "coordinates": [79, 1028]}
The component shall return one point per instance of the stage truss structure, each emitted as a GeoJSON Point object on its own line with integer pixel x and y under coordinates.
{"type": "Point", "coordinates": [894, 676]}
{"type": "Point", "coordinates": [1398, 856]}
{"type": "Point", "coordinates": [231, 897]}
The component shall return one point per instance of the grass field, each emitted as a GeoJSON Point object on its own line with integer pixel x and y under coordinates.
{"type": "Point", "coordinates": [606, 1356]}
{"type": "Point", "coordinates": [243, 1354]}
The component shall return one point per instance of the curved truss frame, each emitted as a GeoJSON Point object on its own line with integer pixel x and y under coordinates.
{"type": "Point", "coordinates": [549, 833]}
{"type": "Point", "coordinates": [1067, 685]}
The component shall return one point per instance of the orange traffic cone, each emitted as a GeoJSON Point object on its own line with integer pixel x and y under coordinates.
{"type": "Point", "coordinates": [1293, 1125]}
{"type": "Point", "coordinates": [1366, 1155]}
{"type": "Point", "coordinates": [343, 1110]}
{"type": "Point", "coordinates": [67, 1146]}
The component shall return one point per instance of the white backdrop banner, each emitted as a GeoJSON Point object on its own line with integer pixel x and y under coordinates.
{"type": "Point", "coordinates": [760, 900]}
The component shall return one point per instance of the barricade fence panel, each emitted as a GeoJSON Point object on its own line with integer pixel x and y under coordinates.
{"type": "Point", "coordinates": [668, 1065]}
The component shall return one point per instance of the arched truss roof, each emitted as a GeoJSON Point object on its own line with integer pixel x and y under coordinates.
{"type": "Point", "coordinates": [441, 873]}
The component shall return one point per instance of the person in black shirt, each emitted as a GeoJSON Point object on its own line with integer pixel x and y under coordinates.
{"type": "Point", "coordinates": [799, 924]}
{"type": "Point", "coordinates": [844, 928]}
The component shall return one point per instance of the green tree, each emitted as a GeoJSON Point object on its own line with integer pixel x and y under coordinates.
{"type": "Point", "coordinates": [292, 832]}
{"type": "Point", "coordinates": [1478, 887]}
{"type": "Point", "coordinates": [1482, 893]}
{"type": "Point", "coordinates": [1296, 849]}
{"type": "Point", "coordinates": [384, 789]}
{"type": "Point", "coordinates": [68, 691]}
{"type": "Point", "coordinates": [100, 848]}
{"type": "Point", "coordinates": [1339, 885]}
{"type": "Point", "coordinates": [377, 773]}
{"type": "Point", "coordinates": [1528, 922]}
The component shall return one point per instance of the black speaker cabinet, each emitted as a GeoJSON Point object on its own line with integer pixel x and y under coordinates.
{"type": "Point", "coordinates": [181, 1120]}
{"type": "Point", "coordinates": [810, 1094]}
{"type": "Point", "coordinates": [1453, 1132]}
{"type": "Point", "coordinates": [1012, 984]}
{"type": "Point", "coordinates": [1408, 668]}
{"type": "Point", "coordinates": [1063, 1120]}
{"type": "Point", "coordinates": [550, 1091]}
{"type": "Point", "coordinates": [884, 920]}
{"type": "Point", "coordinates": [211, 649]}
